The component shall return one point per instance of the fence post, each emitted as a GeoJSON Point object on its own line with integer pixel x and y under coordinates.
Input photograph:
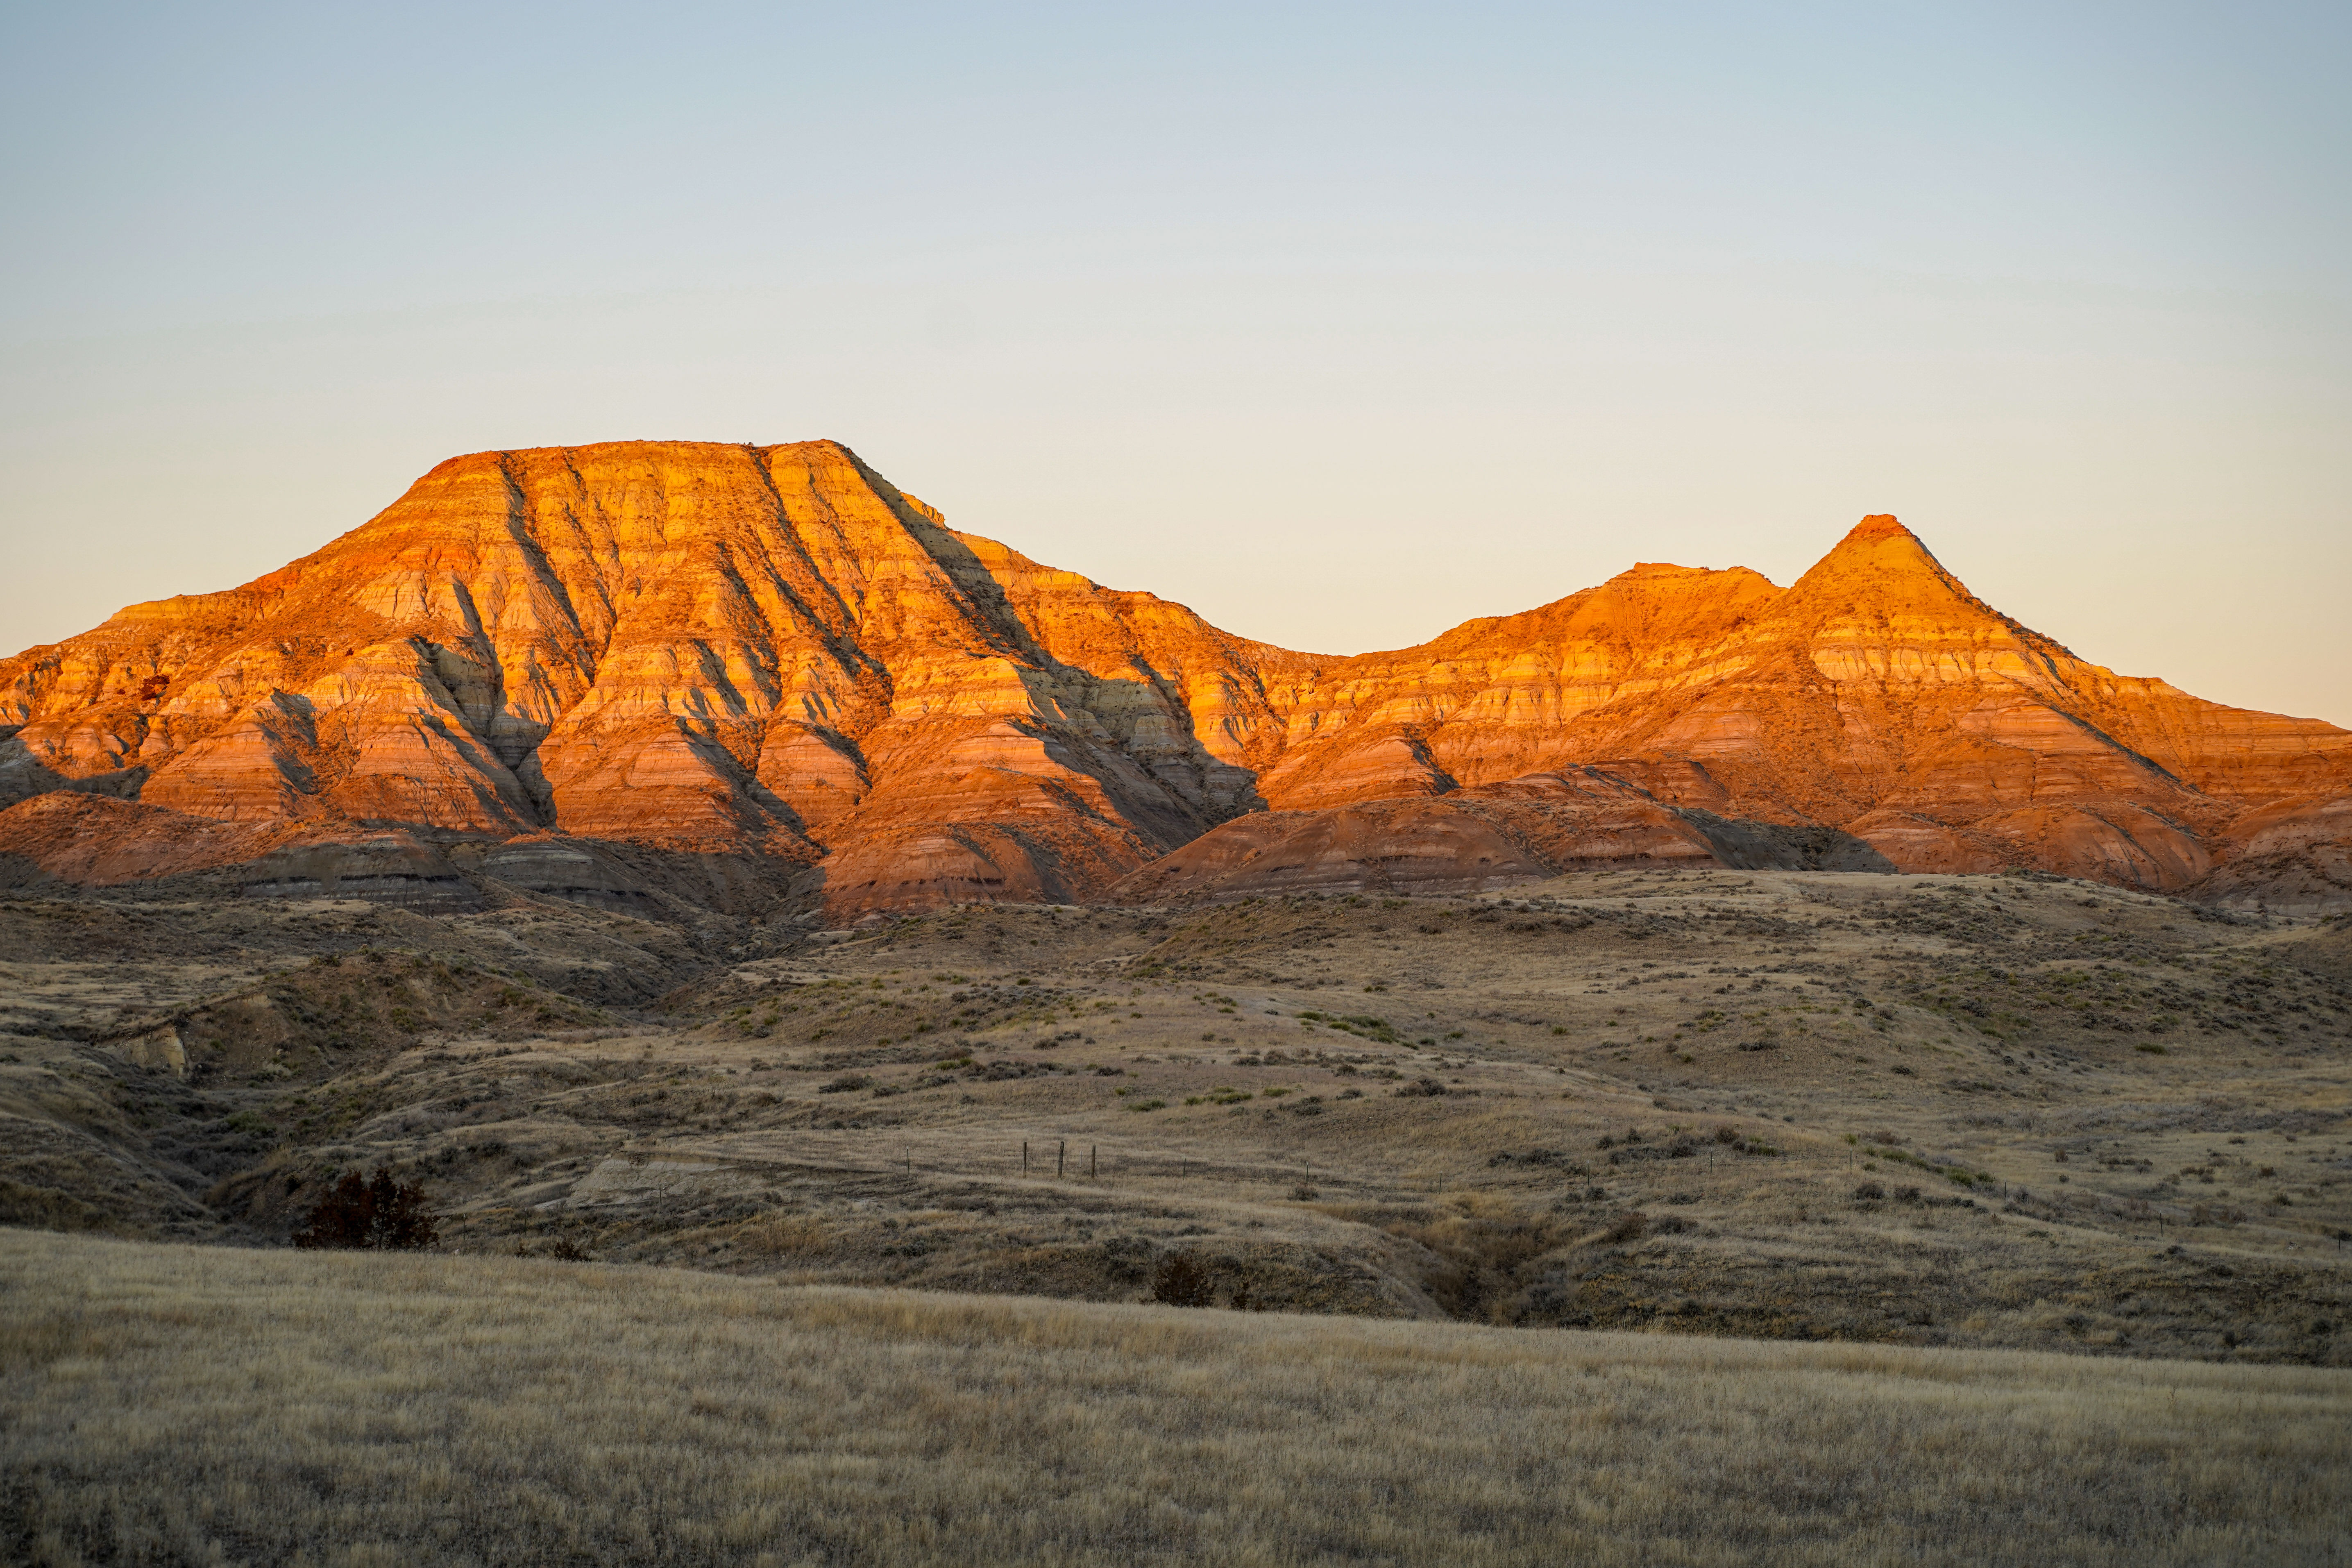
{"type": "Point", "coordinates": [1090, 1162]}
{"type": "Point", "coordinates": [1061, 1152]}
{"type": "Point", "coordinates": [1024, 1156]}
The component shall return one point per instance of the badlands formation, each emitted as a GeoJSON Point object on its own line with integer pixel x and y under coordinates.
{"type": "Point", "coordinates": [742, 676]}
{"type": "Point", "coordinates": [1689, 956]}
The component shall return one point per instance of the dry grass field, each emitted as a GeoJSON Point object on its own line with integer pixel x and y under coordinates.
{"type": "Point", "coordinates": [1990, 1112]}
{"type": "Point", "coordinates": [164, 1403]}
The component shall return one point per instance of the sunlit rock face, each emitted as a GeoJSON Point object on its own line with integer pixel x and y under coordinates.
{"type": "Point", "coordinates": [1876, 695]}
{"type": "Point", "coordinates": [773, 653]}
{"type": "Point", "coordinates": [1478, 838]}
{"type": "Point", "coordinates": [709, 647]}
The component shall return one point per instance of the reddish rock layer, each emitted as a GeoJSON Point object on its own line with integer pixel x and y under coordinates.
{"type": "Point", "coordinates": [763, 650]}
{"type": "Point", "coordinates": [1473, 839]}
{"type": "Point", "coordinates": [1878, 696]}
{"type": "Point", "coordinates": [771, 652]}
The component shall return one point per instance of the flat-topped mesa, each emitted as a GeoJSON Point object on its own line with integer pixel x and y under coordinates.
{"type": "Point", "coordinates": [704, 646]}
{"type": "Point", "coordinates": [773, 652]}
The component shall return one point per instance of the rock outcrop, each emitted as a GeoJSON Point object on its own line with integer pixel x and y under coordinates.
{"type": "Point", "coordinates": [770, 655]}
{"type": "Point", "coordinates": [710, 648]}
{"type": "Point", "coordinates": [1483, 836]}
{"type": "Point", "coordinates": [1876, 695]}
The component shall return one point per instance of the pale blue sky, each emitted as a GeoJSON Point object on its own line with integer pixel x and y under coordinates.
{"type": "Point", "coordinates": [1340, 325]}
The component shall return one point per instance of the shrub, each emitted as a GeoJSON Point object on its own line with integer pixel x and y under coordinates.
{"type": "Point", "coordinates": [1869, 1192]}
{"type": "Point", "coordinates": [1181, 1281]}
{"type": "Point", "coordinates": [1555, 1158]}
{"type": "Point", "coordinates": [361, 1213]}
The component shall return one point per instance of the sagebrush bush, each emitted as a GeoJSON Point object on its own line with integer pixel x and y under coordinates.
{"type": "Point", "coordinates": [359, 1212]}
{"type": "Point", "coordinates": [1181, 1282]}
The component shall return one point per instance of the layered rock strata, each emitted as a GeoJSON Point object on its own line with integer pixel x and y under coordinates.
{"type": "Point", "coordinates": [722, 649]}
{"type": "Point", "coordinates": [770, 655]}
{"type": "Point", "coordinates": [1486, 835]}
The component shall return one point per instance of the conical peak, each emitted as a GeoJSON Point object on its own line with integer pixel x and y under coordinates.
{"type": "Point", "coordinates": [1880, 543]}
{"type": "Point", "coordinates": [1882, 574]}
{"type": "Point", "coordinates": [1879, 546]}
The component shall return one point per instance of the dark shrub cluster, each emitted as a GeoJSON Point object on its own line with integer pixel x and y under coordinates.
{"type": "Point", "coordinates": [364, 1213]}
{"type": "Point", "coordinates": [1181, 1282]}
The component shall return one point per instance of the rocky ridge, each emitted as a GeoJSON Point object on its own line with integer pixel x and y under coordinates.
{"type": "Point", "coordinates": [687, 660]}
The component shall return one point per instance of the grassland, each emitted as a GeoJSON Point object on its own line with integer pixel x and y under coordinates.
{"type": "Point", "coordinates": [164, 1403]}
{"type": "Point", "coordinates": [1993, 1111]}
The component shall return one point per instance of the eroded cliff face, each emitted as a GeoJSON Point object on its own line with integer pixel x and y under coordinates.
{"type": "Point", "coordinates": [710, 647]}
{"type": "Point", "coordinates": [1878, 696]}
{"type": "Point", "coordinates": [773, 653]}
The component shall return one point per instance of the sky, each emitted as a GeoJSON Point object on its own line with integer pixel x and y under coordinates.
{"type": "Point", "coordinates": [1339, 324]}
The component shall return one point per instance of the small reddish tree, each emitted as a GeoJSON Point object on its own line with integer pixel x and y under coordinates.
{"type": "Point", "coordinates": [358, 1212]}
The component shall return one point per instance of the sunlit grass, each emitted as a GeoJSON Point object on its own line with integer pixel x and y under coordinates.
{"type": "Point", "coordinates": [190, 1405]}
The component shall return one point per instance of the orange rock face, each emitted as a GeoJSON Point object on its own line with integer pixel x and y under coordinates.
{"type": "Point", "coordinates": [1876, 695]}
{"type": "Point", "coordinates": [772, 652]}
{"type": "Point", "coordinates": [1477, 839]}
{"type": "Point", "coordinates": [713, 647]}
